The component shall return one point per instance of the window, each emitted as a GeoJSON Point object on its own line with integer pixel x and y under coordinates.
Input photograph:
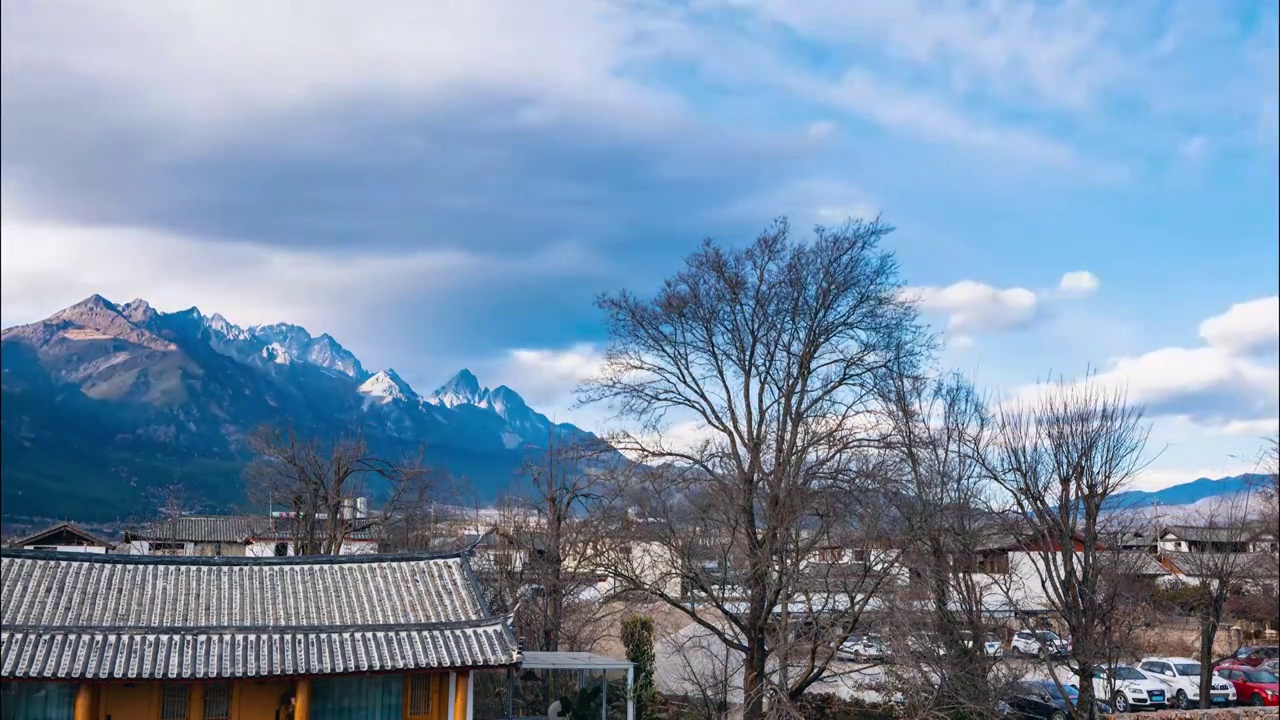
{"type": "Point", "coordinates": [168, 548]}
{"type": "Point", "coordinates": [282, 549]}
{"type": "Point", "coordinates": [217, 702]}
{"type": "Point", "coordinates": [419, 696]}
{"type": "Point", "coordinates": [173, 702]}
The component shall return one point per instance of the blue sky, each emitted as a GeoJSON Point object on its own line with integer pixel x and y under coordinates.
{"type": "Point", "coordinates": [1075, 184]}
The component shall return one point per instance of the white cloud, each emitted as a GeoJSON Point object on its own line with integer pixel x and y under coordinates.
{"type": "Point", "coordinates": [549, 377]}
{"type": "Point", "coordinates": [1249, 327]}
{"type": "Point", "coordinates": [1055, 53]}
{"type": "Point", "coordinates": [972, 306]}
{"type": "Point", "coordinates": [1194, 148]}
{"type": "Point", "coordinates": [45, 266]}
{"type": "Point", "coordinates": [234, 62]}
{"type": "Point", "coordinates": [821, 129]}
{"type": "Point", "coordinates": [1219, 386]}
{"type": "Point", "coordinates": [1078, 283]}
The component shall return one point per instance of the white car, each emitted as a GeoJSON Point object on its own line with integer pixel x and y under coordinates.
{"type": "Point", "coordinates": [1030, 643]}
{"type": "Point", "coordinates": [991, 646]}
{"type": "Point", "coordinates": [1128, 688]}
{"type": "Point", "coordinates": [1182, 676]}
{"type": "Point", "coordinates": [862, 647]}
{"type": "Point", "coordinates": [925, 644]}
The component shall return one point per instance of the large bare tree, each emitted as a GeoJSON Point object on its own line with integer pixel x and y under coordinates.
{"type": "Point", "coordinates": [318, 483]}
{"type": "Point", "coordinates": [1061, 458]}
{"type": "Point", "coordinates": [777, 352]}
{"type": "Point", "coordinates": [559, 531]}
{"type": "Point", "coordinates": [1219, 563]}
{"type": "Point", "coordinates": [953, 540]}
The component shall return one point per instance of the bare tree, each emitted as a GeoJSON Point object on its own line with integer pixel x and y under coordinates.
{"type": "Point", "coordinates": [1270, 491]}
{"type": "Point", "coordinates": [777, 352]}
{"type": "Point", "coordinates": [1061, 459]}
{"type": "Point", "coordinates": [955, 545]}
{"type": "Point", "coordinates": [319, 482]}
{"type": "Point", "coordinates": [1219, 563]}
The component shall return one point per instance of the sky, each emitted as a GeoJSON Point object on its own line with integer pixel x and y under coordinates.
{"type": "Point", "coordinates": [1076, 186]}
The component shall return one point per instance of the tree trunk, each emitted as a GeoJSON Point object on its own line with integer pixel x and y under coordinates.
{"type": "Point", "coordinates": [1208, 633]}
{"type": "Point", "coordinates": [754, 678]}
{"type": "Point", "coordinates": [1085, 707]}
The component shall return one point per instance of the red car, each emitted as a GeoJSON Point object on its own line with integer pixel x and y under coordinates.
{"type": "Point", "coordinates": [1254, 686]}
{"type": "Point", "coordinates": [1254, 655]}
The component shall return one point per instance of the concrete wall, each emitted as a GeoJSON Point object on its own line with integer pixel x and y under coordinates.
{"type": "Point", "coordinates": [67, 548]}
{"type": "Point", "coordinates": [1239, 713]}
{"type": "Point", "coordinates": [267, 548]}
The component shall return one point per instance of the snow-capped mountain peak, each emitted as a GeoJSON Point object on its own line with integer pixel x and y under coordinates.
{"type": "Point", "coordinates": [461, 389]}
{"type": "Point", "coordinates": [277, 354]}
{"type": "Point", "coordinates": [504, 401]}
{"type": "Point", "coordinates": [385, 386]}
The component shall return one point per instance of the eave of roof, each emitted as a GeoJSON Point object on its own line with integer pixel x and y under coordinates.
{"type": "Point", "coordinates": [156, 617]}
{"type": "Point", "coordinates": [34, 537]}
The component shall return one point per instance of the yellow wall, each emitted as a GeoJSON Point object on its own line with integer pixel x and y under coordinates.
{"type": "Point", "coordinates": [258, 699]}
{"type": "Point", "coordinates": [253, 699]}
{"type": "Point", "coordinates": [130, 700]}
{"type": "Point", "coordinates": [460, 697]}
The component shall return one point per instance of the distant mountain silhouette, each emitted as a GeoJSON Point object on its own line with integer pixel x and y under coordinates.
{"type": "Point", "coordinates": [1188, 493]}
{"type": "Point", "coordinates": [102, 402]}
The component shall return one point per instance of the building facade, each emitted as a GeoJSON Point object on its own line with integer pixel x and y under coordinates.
{"type": "Point", "coordinates": [124, 637]}
{"type": "Point", "coordinates": [236, 536]}
{"type": "Point", "coordinates": [65, 537]}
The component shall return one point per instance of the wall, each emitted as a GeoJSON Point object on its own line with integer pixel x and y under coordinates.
{"type": "Point", "coordinates": [68, 548]}
{"type": "Point", "coordinates": [267, 548]}
{"type": "Point", "coordinates": [1240, 713]}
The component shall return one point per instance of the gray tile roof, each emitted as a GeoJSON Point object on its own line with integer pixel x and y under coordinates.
{"type": "Point", "coordinates": [35, 538]}
{"type": "Point", "coordinates": [76, 616]}
{"type": "Point", "coordinates": [203, 528]}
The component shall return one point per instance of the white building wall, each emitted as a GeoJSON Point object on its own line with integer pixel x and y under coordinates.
{"type": "Point", "coordinates": [96, 549]}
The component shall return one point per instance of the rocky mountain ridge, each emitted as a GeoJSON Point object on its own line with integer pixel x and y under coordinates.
{"type": "Point", "coordinates": [105, 401]}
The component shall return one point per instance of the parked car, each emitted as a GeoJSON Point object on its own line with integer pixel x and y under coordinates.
{"type": "Point", "coordinates": [1272, 665]}
{"type": "Point", "coordinates": [925, 643]}
{"type": "Point", "coordinates": [1255, 655]}
{"type": "Point", "coordinates": [1038, 643]}
{"type": "Point", "coordinates": [1024, 643]}
{"type": "Point", "coordinates": [861, 648]}
{"type": "Point", "coordinates": [991, 645]}
{"type": "Point", "coordinates": [1042, 700]}
{"type": "Point", "coordinates": [1129, 688]}
{"type": "Point", "coordinates": [1182, 675]}
{"type": "Point", "coordinates": [1254, 685]}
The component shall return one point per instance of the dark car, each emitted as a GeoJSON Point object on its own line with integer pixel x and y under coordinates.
{"type": "Point", "coordinates": [1042, 700]}
{"type": "Point", "coordinates": [1255, 655]}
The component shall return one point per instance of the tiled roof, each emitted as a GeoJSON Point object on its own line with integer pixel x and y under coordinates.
{"type": "Point", "coordinates": [203, 528]}
{"type": "Point", "coordinates": [35, 538]}
{"type": "Point", "coordinates": [231, 529]}
{"type": "Point", "coordinates": [137, 617]}
{"type": "Point", "coordinates": [1245, 566]}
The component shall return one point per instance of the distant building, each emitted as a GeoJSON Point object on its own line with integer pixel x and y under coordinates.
{"type": "Point", "coordinates": [230, 638]}
{"type": "Point", "coordinates": [64, 537]}
{"type": "Point", "coordinates": [1215, 539]}
{"type": "Point", "coordinates": [236, 536]}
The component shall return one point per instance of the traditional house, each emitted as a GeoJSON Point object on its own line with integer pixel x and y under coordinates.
{"type": "Point", "coordinates": [237, 536]}
{"type": "Point", "coordinates": [126, 637]}
{"type": "Point", "coordinates": [1215, 539]}
{"type": "Point", "coordinates": [64, 537]}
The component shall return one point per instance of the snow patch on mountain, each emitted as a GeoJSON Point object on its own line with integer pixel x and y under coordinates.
{"type": "Point", "coordinates": [384, 387]}
{"type": "Point", "coordinates": [275, 353]}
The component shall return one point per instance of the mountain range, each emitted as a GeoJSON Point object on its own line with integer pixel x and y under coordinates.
{"type": "Point", "coordinates": [1188, 493]}
{"type": "Point", "coordinates": [104, 401]}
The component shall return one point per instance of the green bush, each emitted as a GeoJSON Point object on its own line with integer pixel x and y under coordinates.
{"type": "Point", "coordinates": [637, 637]}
